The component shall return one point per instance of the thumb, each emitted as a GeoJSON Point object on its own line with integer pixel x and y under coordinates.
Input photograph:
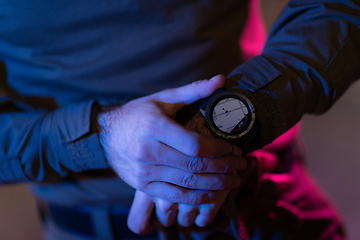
{"type": "Point", "coordinates": [192, 92]}
{"type": "Point", "coordinates": [139, 219]}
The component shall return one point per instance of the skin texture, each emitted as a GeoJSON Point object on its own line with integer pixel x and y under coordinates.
{"type": "Point", "coordinates": [168, 213]}
{"type": "Point", "coordinates": [260, 165]}
{"type": "Point", "coordinates": [160, 157]}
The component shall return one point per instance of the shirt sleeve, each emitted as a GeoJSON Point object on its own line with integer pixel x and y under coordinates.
{"type": "Point", "coordinates": [46, 146]}
{"type": "Point", "coordinates": [310, 58]}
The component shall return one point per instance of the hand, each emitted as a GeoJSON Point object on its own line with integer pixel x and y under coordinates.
{"type": "Point", "coordinates": [140, 221]}
{"type": "Point", "coordinates": [153, 153]}
{"type": "Point", "coordinates": [186, 215]}
{"type": "Point", "coordinates": [168, 213]}
{"type": "Point", "coordinates": [257, 177]}
{"type": "Point", "coordinates": [140, 217]}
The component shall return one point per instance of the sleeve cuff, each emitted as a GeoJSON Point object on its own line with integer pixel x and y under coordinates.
{"type": "Point", "coordinates": [11, 171]}
{"type": "Point", "coordinates": [74, 140]}
{"type": "Point", "coordinates": [251, 79]}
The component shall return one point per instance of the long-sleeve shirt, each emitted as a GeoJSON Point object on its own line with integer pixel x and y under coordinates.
{"type": "Point", "coordinates": [61, 58]}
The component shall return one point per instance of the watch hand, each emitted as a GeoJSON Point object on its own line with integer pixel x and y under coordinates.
{"type": "Point", "coordinates": [226, 111]}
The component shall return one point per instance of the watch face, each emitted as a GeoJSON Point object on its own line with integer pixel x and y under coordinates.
{"type": "Point", "coordinates": [229, 115]}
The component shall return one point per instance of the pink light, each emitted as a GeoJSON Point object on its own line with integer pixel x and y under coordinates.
{"type": "Point", "coordinates": [254, 34]}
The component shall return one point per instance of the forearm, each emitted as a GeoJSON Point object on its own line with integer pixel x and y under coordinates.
{"type": "Point", "coordinates": [310, 58]}
{"type": "Point", "coordinates": [47, 146]}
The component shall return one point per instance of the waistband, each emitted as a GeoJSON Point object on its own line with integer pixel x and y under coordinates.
{"type": "Point", "coordinates": [97, 222]}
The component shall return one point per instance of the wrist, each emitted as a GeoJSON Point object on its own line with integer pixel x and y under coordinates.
{"type": "Point", "coordinates": [230, 116]}
{"type": "Point", "coordinates": [106, 117]}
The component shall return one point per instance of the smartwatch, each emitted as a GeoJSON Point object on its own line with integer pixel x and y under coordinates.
{"type": "Point", "coordinates": [231, 116]}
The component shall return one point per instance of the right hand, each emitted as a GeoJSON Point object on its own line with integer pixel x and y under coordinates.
{"type": "Point", "coordinates": [153, 153]}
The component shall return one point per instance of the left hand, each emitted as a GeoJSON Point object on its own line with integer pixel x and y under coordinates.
{"type": "Point", "coordinates": [168, 213]}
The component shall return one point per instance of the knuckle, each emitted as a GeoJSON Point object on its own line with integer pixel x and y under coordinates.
{"type": "Point", "coordinates": [195, 85]}
{"type": "Point", "coordinates": [193, 147]}
{"type": "Point", "coordinates": [225, 167]}
{"type": "Point", "coordinates": [153, 121]}
{"type": "Point", "coordinates": [144, 172]}
{"type": "Point", "coordinates": [220, 185]}
{"type": "Point", "coordinates": [190, 180]}
{"type": "Point", "coordinates": [140, 174]}
{"type": "Point", "coordinates": [140, 153]}
{"type": "Point", "coordinates": [191, 212]}
{"type": "Point", "coordinates": [174, 197]}
{"type": "Point", "coordinates": [196, 200]}
{"type": "Point", "coordinates": [222, 166]}
{"type": "Point", "coordinates": [197, 164]}
{"type": "Point", "coordinates": [165, 208]}
{"type": "Point", "coordinates": [149, 126]}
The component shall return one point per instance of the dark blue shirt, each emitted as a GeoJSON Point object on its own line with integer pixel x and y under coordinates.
{"type": "Point", "coordinates": [60, 58]}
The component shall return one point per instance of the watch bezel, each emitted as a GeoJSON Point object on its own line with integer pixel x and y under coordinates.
{"type": "Point", "coordinates": [219, 97]}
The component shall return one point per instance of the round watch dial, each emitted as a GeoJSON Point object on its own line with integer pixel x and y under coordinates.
{"type": "Point", "coordinates": [229, 115]}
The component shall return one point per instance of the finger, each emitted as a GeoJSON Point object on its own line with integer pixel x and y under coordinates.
{"type": "Point", "coordinates": [139, 219]}
{"type": "Point", "coordinates": [187, 215]}
{"type": "Point", "coordinates": [192, 92]}
{"type": "Point", "coordinates": [166, 211]}
{"type": "Point", "coordinates": [161, 154]}
{"type": "Point", "coordinates": [206, 215]}
{"type": "Point", "coordinates": [209, 211]}
{"type": "Point", "coordinates": [176, 194]}
{"type": "Point", "coordinates": [188, 142]}
{"type": "Point", "coordinates": [206, 181]}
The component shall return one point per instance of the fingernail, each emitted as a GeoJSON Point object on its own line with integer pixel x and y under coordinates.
{"type": "Point", "coordinates": [212, 79]}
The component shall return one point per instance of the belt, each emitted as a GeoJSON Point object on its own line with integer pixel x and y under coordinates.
{"type": "Point", "coordinates": [79, 221]}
